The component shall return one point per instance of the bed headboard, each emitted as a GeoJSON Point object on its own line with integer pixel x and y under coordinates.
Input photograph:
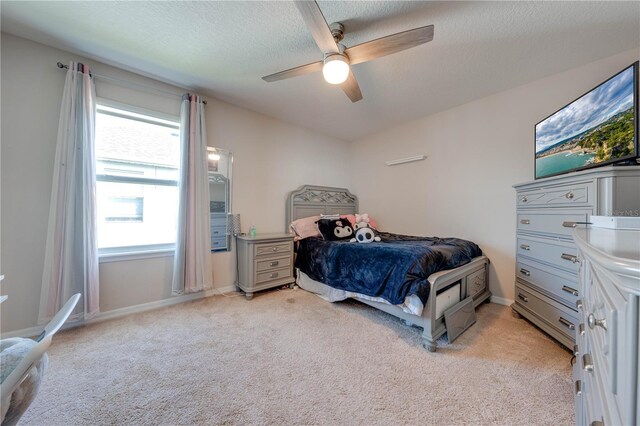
{"type": "Point", "coordinates": [311, 200]}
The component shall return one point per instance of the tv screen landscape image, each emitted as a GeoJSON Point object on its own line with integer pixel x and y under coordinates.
{"type": "Point", "coordinates": [597, 128]}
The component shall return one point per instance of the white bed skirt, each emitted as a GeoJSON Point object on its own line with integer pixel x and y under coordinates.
{"type": "Point", "coordinates": [412, 304]}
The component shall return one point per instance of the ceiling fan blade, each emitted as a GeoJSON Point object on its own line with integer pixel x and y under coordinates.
{"type": "Point", "coordinates": [390, 44]}
{"type": "Point", "coordinates": [351, 88]}
{"type": "Point", "coordinates": [294, 72]}
{"type": "Point", "coordinates": [317, 25]}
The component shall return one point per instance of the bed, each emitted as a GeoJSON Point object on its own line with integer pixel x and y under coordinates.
{"type": "Point", "coordinates": [444, 288]}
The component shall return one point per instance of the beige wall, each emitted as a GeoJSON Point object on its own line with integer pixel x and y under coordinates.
{"type": "Point", "coordinates": [476, 152]}
{"type": "Point", "coordinates": [270, 159]}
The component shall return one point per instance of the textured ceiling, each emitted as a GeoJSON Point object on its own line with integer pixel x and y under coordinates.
{"type": "Point", "coordinates": [223, 48]}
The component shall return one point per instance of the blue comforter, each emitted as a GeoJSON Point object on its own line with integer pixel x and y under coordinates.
{"type": "Point", "coordinates": [394, 268]}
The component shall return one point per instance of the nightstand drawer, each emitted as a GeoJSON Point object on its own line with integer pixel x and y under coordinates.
{"type": "Point", "coordinates": [576, 194]}
{"type": "Point", "coordinates": [551, 222]}
{"type": "Point", "coordinates": [273, 248]}
{"type": "Point", "coordinates": [218, 219]}
{"type": "Point", "coordinates": [273, 263]}
{"type": "Point", "coordinates": [218, 243]}
{"type": "Point", "coordinates": [275, 275]}
{"type": "Point", "coordinates": [218, 231]}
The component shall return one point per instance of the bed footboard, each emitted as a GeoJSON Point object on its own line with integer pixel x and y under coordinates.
{"type": "Point", "coordinates": [474, 281]}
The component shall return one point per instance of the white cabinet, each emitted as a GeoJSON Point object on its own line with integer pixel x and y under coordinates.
{"type": "Point", "coordinates": [607, 350]}
{"type": "Point", "coordinates": [546, 276]}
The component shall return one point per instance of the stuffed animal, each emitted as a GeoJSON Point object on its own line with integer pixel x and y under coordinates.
{"type": "Point", "coordinates": [364, 234]}
{"type": "Point", "coordinates": [362, 221]}
{"type": "Point", "coordinates": [333, 230]}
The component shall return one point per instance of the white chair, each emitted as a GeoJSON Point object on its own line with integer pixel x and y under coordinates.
{"type": "Point", "coordinates": [13, 408]}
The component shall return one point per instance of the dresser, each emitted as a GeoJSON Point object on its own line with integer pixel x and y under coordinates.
{"type": "Point", "coordinates": [264, 261]}
{"type": "Point", "coordinates": [606, 370]}
{"type": "Point", "coordinates": [546, 276]}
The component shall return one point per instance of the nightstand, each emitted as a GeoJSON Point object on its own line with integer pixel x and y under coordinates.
{"type": "Point", "coordinates": [264, 261]}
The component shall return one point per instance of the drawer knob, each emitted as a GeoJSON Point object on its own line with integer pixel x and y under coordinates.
{"type": "Point", "coordinates": [578, 387]}
{"type": "Point", "coordinates": [525, 272]}
{"type": "Point", "coordinates": [576, 350]}
{"type": "Point", "coordinates": [579, 304]}
{"type": "Point", "coordinates": [525, 221]}
{"type": "Point", "coordinates": [570, 257]}
{"type": "Point", "coordinates": [273, 275]}
{"type": "Point", "coordinates": [567, 323]}
{"type": "Point", "coordinates": [570, 290]}
{"type": "Point", "coordinates": [523, 298]}
{"type": "Point", "coordinates": [581, 329]}
{"type": "Point", "coordinates": [569, 195]}
{"type": "Point", "coordinates": [275, 249]}
{"type": "Point", "coordinates": [597, 423]}
{"type": "Point", "coordinates": [594, 322]}
{"type": "Point", "coordinates": [587, 363]}
{"type": "Point", "coordinates": [524, 247]}
{"type": "Point", "coordinates": [525, 199]}
{"type": "Point", "coordinates": [276, 263]}
{"type": "Point", "coordinates": [567, 224]}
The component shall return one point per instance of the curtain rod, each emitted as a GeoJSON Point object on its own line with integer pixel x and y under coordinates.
{"type": "Point", "coordinates": [128, 83]}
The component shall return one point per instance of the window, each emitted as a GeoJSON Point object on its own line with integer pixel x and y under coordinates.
{"type": "Point", "coordinates": [137, 166]}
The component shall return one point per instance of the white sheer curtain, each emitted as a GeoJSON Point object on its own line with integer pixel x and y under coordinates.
{"type": "Point", "coordinates": [192, 263]}
{"type": "Point", "coordinates": [71, 251]}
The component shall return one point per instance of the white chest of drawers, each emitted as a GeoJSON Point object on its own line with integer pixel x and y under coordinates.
{"type": "Point", "coordinates": [264, 261]}
{"type": "Point", "coordinates": [546, 285]}
{"type": "Point", "coordinates": [607, 350]}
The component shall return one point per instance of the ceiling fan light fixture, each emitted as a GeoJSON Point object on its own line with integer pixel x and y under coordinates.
{"type": "Point", "coordinates": [336, 68]}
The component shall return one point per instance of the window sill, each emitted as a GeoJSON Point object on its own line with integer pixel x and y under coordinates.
{"type": "Point", "coordinates": [123, 256]}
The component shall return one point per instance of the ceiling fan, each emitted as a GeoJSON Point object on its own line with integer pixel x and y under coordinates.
{"type": "Point", "coordinates": [336, 65]}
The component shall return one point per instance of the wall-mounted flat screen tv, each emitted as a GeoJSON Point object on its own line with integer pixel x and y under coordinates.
{"type": "Point", "coordinates": [598, 128]}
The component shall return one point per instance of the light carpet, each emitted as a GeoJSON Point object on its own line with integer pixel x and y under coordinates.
{"type": "Point", "coordinates": [289, 357]}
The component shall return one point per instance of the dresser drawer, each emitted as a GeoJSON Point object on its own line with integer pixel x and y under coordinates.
{"type": "Point", "coordinates": [560, 285]}
{"type": "Point", "coordinates": [274, 275]}
{"type": "Point", "coordinates": [272, 263]}
{"type": "Point", "coordinates": [551, 222]}
{"type": "Point", "coordinates": [554, 314]}
{"type": "Point", "coordinates": [273, 248]}
{"type": "Point", "coordinates": [562, 254]}
{"type": "Point", "coordinates": [575, 194]}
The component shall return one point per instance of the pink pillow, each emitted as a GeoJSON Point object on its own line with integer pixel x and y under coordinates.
{"type": "Point", "coordinates": [305, 227]}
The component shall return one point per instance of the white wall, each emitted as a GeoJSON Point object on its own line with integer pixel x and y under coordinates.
{"type": "Point", "coordinates": [270, 159]}
{"type": "Point", "coordinates": [476, 152]}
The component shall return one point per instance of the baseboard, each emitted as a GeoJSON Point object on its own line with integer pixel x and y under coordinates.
{"type": "Point", "coordinates": [501, 301]}
{"type": "Point", "coordinates": [121, 312]}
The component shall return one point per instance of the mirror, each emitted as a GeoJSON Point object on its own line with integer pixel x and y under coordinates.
{"type": "Point", "coordinates": [219, 163]}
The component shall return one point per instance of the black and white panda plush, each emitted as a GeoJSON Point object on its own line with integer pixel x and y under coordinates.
{"type": "Point", "coordinates": [365, 235]}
